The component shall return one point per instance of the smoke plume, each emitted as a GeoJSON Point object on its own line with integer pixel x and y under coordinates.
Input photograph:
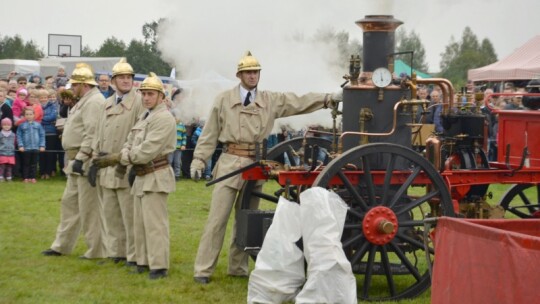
{"type": "Point", "coordinates": [205, 41]}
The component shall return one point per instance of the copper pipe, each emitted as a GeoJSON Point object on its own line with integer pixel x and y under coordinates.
{"type": "Point", "coordinates": [394, 123]}
{"type": "Point", "coordinates": [433, 152]}
{"type": "Point", "coordinates": [446, 88]}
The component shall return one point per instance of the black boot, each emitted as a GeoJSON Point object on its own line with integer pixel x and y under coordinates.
{"type": "Point", "coordinates": [201, 280]}
{"type": "Point", "coordinates": [140, 269]}
{"type": "Point", "coordinates": [131, 264]}
{"type": "Point", "coordinates": [156, 274]}
{"type": "Point", "coordinates": [50, 252]}
{"type": "Point", "coordinates": [117, 260]}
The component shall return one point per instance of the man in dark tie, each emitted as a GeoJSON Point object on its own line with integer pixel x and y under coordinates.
{"type": "Point", "coordinates": [148, 144]}
{"type": "Point", "coordinates": [239, 119]}
{"type": "Point", "coordinates": [121, 112]}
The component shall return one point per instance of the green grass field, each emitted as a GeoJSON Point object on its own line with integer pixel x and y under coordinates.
{"type": "Point", "coordinates": [29, 214]}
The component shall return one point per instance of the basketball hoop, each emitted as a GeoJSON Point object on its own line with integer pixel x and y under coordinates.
{"type": "Point", "coordinates": [65, 45]}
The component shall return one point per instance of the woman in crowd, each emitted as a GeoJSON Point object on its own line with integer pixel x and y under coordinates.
{"type": "Point", "coordinates": [47, 161]}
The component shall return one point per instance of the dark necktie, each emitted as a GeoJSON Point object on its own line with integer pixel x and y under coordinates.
{"type": "Point", "coordinates": [247, 101]}
{"type": "Point", "coordinates": [119, 99]}
{"type": "Point", "coordinates": [146, 114]}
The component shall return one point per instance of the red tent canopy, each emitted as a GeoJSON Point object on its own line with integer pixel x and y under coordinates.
{"type": "Point", "coordinates": [523, 63]}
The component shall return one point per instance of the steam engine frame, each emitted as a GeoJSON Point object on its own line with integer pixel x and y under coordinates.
{"type": "Point", "coordinates": [392, 182]}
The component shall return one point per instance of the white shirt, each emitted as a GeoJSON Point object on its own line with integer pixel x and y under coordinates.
{"type": "Point", "coordinates": [243, 94]}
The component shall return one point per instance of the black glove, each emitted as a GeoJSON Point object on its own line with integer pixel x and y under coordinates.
{"type": "Point", "coordinates": [131, 177]}
{"type": "Point", "coordinates": [77, 166]}
{"type": "Point", "coordinates": [120, 171]}
{"type": "Point", "coordinates": [92, 175]}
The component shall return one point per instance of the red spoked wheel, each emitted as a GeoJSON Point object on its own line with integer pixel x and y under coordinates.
{"type": "Point", "coordinates": [383, 233]}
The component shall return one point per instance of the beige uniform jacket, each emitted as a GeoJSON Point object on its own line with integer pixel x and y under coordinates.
{"type": "Point", "coordinates": [231, 122]}
{"type": "Point", "coordinates": [150, 138]}
{"type": "Point", "coordinates": [80, 127]}
{"type": "Point", "coordinates": [115, 122]}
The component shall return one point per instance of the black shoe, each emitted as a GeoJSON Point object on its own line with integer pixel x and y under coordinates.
{"type": "Point", "coordinates": [50, 252]}
{"type": "Point", "coordinates": [157, 274]}
{"type": "Point", "coordinates": [140, 269]}
{"type": "Point", "coordinates": [131, 264]}
{"type": "Point", "coordinates": [201, 280]}
{"type": "Point", "coordinates": [117, 260]}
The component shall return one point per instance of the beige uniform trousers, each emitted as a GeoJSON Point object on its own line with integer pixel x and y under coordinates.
{"type": "Point", "coordinates": [223, 199]}
{"type": "Point", "coordinates": [118, 217]}
{"type": "Point", "coordinates": [151, 227]}
{"type": "Point", "coordinates": [79, 209]}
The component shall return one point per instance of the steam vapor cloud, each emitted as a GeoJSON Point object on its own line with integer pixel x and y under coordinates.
{"type": "Point", "coordinates": [206, 40]}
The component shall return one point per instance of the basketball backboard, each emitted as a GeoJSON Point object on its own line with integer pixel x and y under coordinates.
{"type": "Point", "coordinates": [65, 45]}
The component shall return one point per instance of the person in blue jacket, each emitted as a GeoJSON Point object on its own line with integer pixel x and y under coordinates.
{"type": "Point", "coordinates": [31, 141]}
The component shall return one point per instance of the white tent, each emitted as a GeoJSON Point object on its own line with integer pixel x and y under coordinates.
{"type": "Point", "coordinates": [27, 67]}
{"type": "Point", "coordinates": [522, 64]}
{"type": "Point", "coordinates": [99, 64]}
{"type": "Point", "coordinates": [49, 66]}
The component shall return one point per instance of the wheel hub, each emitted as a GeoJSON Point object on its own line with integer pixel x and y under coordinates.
{"type": "Point", "coordinates": [380, 225]}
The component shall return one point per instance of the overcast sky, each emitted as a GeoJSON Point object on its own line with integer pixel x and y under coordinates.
{"type": "Point", "coordinates": [508, 24]}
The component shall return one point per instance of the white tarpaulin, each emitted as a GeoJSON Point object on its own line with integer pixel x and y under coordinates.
{"type": "Point", "coordinates": [329, 277]}
{"type": "Point", "coordinates": [279, 270]}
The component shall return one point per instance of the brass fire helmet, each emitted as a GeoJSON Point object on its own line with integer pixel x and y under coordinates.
{"type": "Point", "coordinates": [122, 67]}
{"type": "Point", "coordinates": [152, 82]}
{"type": "Point", "coordinates": [83, 73]}
{"type": "Point", "coordinates": [248, 63]}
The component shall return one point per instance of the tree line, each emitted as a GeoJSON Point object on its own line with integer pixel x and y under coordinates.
{"type": "Point", "coordinates": [143, 55]}
{"type": "Point", "coordinates": [459, 55]}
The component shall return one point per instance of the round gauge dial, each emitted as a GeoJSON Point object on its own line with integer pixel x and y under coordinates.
{"type": "Point", "coordinates": [381, 77]}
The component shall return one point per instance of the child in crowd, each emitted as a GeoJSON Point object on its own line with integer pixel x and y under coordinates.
{"type": "Point", "coordinates": [31, 141]}
{"type": "Point", "coordinates": [175, 158]}
{"type": "Point", "coordinates": [207, 174]}
{"type": "Point", "coordinates": [47, 160]}
{"type": "Point", "coordinates": [33, 101]}
{"type": "Point", "coordinates": [35, 79]}
{"type": "Point", "coordinates": [7, 151]}
{"type": "Point", "coordinates": [61, 79]}
{"type": "Point", "coordinates": [19, 103]}
{"type": "Point", "coordinates": [10, 97]}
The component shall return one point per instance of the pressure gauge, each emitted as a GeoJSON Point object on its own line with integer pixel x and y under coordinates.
{"type": "Point", "coordinates": [381, 77]}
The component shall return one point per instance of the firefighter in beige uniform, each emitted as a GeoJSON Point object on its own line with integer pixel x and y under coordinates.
{"type": "Point", "coordinates": [150, 141]}
{"type": "Point", "coordinates": [240, 118]}
{"type": "Point", "coordinates": [121, 111]}
{"type": "Point", "coordinates": [80, 203]}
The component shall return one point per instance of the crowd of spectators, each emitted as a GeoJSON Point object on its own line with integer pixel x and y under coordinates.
{"type": "Point", "coordinates": [49, 98]}
{"type": "Point", "coordinates": [32, 107]}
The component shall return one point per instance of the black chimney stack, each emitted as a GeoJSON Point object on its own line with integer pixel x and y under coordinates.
{"type": "Point", "coordinates": [379, 40]}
